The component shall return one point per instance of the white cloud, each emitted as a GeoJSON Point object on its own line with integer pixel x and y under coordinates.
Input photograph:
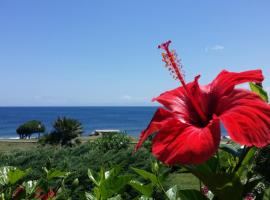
{"type": "Point", "coordinates": [126, 97]}
{"type": "Point", "coordinates": [216, 47]}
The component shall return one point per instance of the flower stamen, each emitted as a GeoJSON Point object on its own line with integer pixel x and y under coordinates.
{"type": "Point", "coordinates": [174, 65]}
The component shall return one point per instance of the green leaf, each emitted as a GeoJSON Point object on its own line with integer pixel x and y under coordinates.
{"type": "Point", "coordinates": [223, 185]}
{"type": "Point", "coordinates": [113, 185]}
{"type": "Point", "coordinates": [266, 195]}
{"type": "Point", "coordinates": [4, 175]}
{"type": "Point", "coordinates": [146, 190]}
{"type": "Point", "coordinates": [15, 175]}
{"type": "Point", "coordinates": [56, 174]}
{"type": "Point", "coordinates": [191, 194]}
{"type": "Point", "coordinates": [145, 198]}
{"type": "Point", "coordinates": [259, 90]}
{"type": "Point", "coordinates": [249, 158]}
{"type": "Point", "coordinates": [146, 175]}
{"type": "Point", "coordinates": [101, 175]}
{"type": "Point", "coordinates": [113, 172]}
{"type": "Point", "coordinates": [75, 182]}
{"type": "Point", "coordinates": [30, 187]}
{"type": "Point", "coordinates": [89, 196]}
{"type": "Point", "coordinates": [118, 197]}
{"type": "Point", "coordinates": [10, 175]}
{"type": "Point", "coordinates": [91, 177]}
{"type": "Point", "coordinates": [172, 193]}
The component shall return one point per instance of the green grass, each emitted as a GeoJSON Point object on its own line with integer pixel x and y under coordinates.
{"type": "Point", "coordinates": [17, 145]}
{"type": "Point", "coordinates": [11, 145]}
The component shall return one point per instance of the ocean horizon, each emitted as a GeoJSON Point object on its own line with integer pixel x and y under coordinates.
{"type": "Point", "coordinates": [129, 119]}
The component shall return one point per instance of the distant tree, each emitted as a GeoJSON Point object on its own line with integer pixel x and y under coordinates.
{"type": "Point", "coordinates": [28, 128]}
{"type": "Point", "coordinates": [65, 130]}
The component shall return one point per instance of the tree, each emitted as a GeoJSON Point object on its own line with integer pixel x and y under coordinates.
{"type": "Point", "coordinates": [65, 130]}
{"type": "Point", "coordinates": [28, 128]}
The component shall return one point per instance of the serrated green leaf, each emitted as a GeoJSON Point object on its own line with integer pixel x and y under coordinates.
{"type": "Point", "coordinates": [191, 194]}
{"type": "Point", "coordinates": [172, 193]}
{"type": "Point", "coordinates": [259, 90]}
{"type": "Point", "coordinates": [146, 175]}
{"type": "Point", "coordinates": [146, 190]}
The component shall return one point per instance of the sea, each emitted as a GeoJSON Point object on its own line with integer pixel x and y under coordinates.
{"type": "Point", "coordinates": [131, 120]}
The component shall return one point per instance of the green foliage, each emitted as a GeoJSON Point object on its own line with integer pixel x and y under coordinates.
{"type": "Point", "coordinates": [259, 90]}
{"type": "Point", "coordinates": [263, 163]}
{"type": "Point", "coordinates": [144, 189]}
{"type": "Point", "coordinates": [48, 184]}
{"type": "Point", "coordinates": [77, 160]}
{"type": "Point", "coordinates": [10, 175]}
{"type": "Point", "coordinates": [191, 194]}
{"type": "Point", "coordinates": [174, 194]}
{"type": "Point", "coordinates": [65, 130]}
{"type": "Point", "coordinates": [266, 195]}
{"type": "Point", "coordinates": [111, 141]}
{"type": "Point", "coordinates": [222, 181]}
{"type": "Point", "coordinates": [153, 181]}
{"type": "Point", "coordinates": [107, 183]}
{"type": "Point", "coordinates": [28, 128]}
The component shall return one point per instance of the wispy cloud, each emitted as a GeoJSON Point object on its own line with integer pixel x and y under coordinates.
{"type": "Point", "coordinates": [126, 97]}
{"type": "Point", "coordinates": [216, 47]}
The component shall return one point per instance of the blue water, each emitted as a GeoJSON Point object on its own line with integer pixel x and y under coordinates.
{"type": "Point", "coordinates": [130, 119]}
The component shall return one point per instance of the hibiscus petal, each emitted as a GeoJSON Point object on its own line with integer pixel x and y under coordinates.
{"type": "Point", "coordinates": [246, 117]}
{"type": "Point", "coordinates": [174, 100]}
{"type": "Point", "coordinates": [225, 81]}
{"type": "Point", "coordinates": [179, 143]}
{"type": "Point", "coordinates": [159, 119]}
{"type": "Point", "coordinates": [179, 102]}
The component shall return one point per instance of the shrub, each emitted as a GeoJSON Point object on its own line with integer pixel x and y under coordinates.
{"type": "Point", "coordinates": [65, 130]}
{"type": "Point", "coordinates": [111, 141]}
{"type": "Point", "coordinates": [28, 128]}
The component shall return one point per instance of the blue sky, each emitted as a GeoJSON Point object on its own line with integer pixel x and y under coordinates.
{"type": "Point", "coordinates": [88, 53]}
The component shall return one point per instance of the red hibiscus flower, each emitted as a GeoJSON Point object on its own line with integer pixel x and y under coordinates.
{"type": "Point", "coordinates": [188, 127]}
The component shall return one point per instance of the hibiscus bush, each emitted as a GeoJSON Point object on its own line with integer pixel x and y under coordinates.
{"type": "Point", "coordinates": [187, 128]}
